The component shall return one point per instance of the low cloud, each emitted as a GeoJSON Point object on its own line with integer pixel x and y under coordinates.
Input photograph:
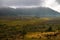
{"type": "Point", "coordinates": [20, 2]}
{"type": "Point", "coordinates": [58, 1]}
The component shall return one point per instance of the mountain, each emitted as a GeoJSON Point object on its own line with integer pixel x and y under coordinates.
{"type": "Point", "coordinates": [40, 12]}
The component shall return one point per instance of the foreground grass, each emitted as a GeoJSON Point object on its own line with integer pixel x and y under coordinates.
{"type": "Point", "coordinates": [22, 29]}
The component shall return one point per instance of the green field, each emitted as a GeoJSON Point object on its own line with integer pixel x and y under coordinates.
{"type": "Point", "coordinates": [18, 29]}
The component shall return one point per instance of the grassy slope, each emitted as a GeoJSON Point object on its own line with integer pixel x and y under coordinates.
{"type": "Point", "coordinates": [13, 26]}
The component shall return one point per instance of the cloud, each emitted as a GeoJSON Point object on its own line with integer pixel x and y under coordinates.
{"type": "Point", "coordinates": [53, 4]}
{"type": "Point", "coordinates": [1, 3]}
{"type": "Point", "coordinates": [21, 2]}
{"type": "Point", "coordinates": [58, 1]}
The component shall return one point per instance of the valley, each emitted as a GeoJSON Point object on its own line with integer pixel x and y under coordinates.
{"type": "Point", "coordinates": [34, 28]}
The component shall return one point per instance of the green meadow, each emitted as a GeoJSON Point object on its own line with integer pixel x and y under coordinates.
{"type": "Point", "coordinates": [30, 29]}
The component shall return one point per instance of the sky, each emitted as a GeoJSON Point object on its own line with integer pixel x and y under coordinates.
{"type": "Point", "coordinates": [19, 2]}
{"type": "Point", "coordinates": [53, 4]}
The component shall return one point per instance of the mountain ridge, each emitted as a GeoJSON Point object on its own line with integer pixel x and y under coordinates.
{"type": "Point", "coordinates": [40, 12]}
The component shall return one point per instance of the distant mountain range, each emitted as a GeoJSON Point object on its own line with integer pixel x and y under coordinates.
{"type": "Point", "coordinates": [39, 12]}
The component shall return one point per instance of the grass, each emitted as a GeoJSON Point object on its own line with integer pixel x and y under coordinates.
{"type": "Point", "coordinates": [16, 29]}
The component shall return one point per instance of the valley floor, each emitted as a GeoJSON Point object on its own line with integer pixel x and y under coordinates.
{"type": "Point", "coordinates": [30, 29]}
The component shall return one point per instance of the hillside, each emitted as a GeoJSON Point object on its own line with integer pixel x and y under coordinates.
{"type": "Point", "coordinates": [39, 12]}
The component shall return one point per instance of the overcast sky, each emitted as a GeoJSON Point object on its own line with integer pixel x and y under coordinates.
{"type": "Point", "coordinates": [58, 1]}
{"type": "Point", "coordinates": [19, 2]}
{"type": "Point", "coordinates": [54, 4]}
{"type": "Point", "coordinates": [23, 2]}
